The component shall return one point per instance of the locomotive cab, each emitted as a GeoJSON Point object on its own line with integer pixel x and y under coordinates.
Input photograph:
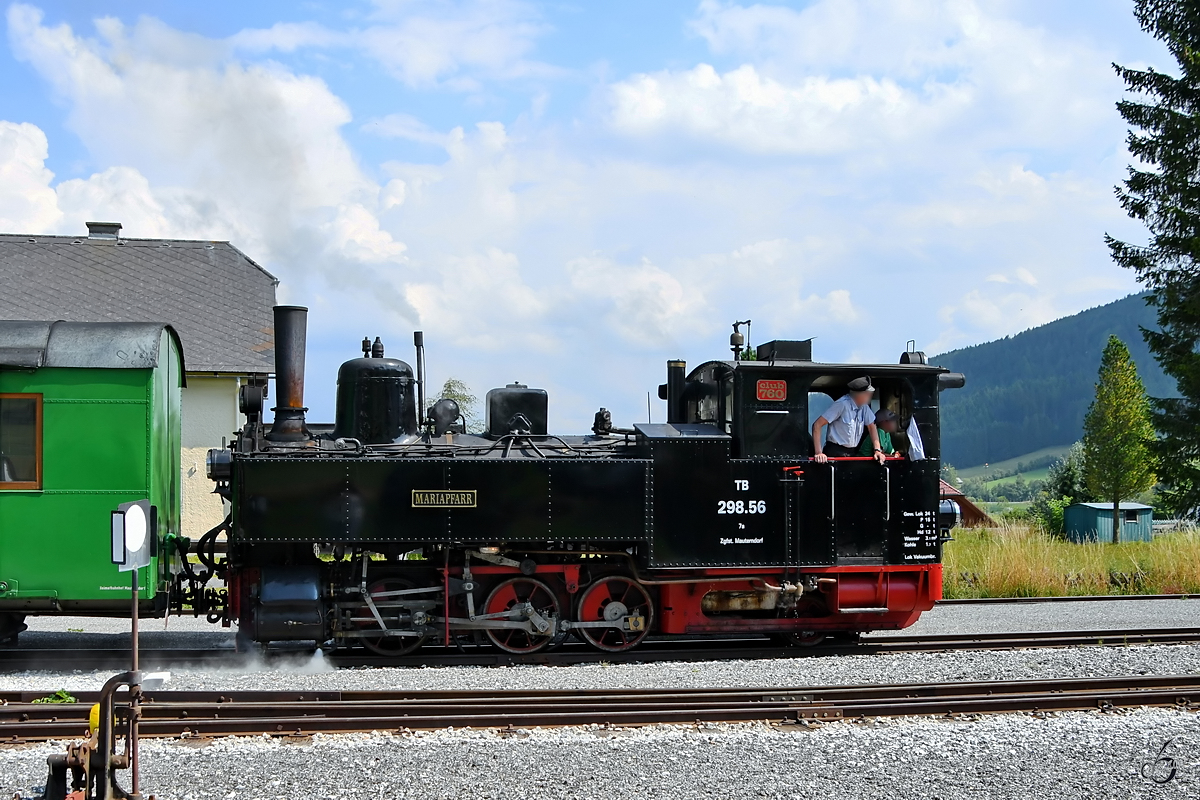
{"type": "Point", "coordinates": [848, 512]}
{"type": "Point", "coordinates": [769, 409]}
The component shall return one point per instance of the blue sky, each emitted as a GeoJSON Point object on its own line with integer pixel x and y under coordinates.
{"type": "Point", "coordinates": [568, 194]}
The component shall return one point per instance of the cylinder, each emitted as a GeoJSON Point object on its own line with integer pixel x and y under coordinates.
{"type": "Point", "coordinates": [290, 334]}
{"type": "Point", "coordinates": [896, 592]}
{"type": "Point", "coordinates": [676, 377]}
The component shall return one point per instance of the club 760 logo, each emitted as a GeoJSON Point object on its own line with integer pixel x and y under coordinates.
{"type": "Point", "coordinates": [1170, 762]}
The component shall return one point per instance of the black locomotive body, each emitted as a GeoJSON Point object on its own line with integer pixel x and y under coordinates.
{"type": "Point", "coordinates": [396, 529]}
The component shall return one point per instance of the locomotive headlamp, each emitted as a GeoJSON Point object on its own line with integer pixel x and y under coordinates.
{"type": "Point", "coordinates": [217, 464]}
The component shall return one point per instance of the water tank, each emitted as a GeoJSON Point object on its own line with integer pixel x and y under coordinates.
{"type": "Point", "coordinates": [516, 408]}
{"type": "Point", "coordinates": [376, 400]}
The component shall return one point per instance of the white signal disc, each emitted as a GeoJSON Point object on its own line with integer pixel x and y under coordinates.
{"type": "Point", "coordinates": [135, 529]}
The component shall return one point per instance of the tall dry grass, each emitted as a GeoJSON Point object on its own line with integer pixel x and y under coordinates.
{"type": "Point", "coordinates": [1021, 560]}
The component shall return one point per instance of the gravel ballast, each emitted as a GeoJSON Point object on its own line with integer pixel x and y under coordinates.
{"type": "Point", "coordinates": [189, 632]}
{"type": "Point", "coordinates": [313, 674]}
{"type": "Point", "coordinates": [1073, 755]}
{"type": "Point", "coordinates": [1022, 756]}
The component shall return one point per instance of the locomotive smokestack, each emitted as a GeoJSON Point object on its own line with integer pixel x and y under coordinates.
{"type": "Point", "coordinates": [676, 376]}
{"type": "Point", "coordinates": [290, 335]}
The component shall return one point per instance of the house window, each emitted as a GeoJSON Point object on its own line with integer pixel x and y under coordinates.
{"type": "Point", "coordinates": [20, 441]}
{"type": "Point", "coordinates": [1131, 515]}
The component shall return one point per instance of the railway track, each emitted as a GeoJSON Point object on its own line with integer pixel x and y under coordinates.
{"type": "Point", "coordinates": [168, 714]}
{"type": "Point", "coordinates": [22, 658]}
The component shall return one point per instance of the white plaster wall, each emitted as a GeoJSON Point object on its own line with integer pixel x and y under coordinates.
{"type": "Point", "coordinates": [210, 412]}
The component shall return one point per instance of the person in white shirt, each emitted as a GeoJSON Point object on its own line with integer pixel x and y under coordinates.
{"type": "Point", "coordinates": [847, 419]}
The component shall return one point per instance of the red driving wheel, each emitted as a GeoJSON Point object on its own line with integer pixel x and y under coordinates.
{"type": "Point", "coordinates": [514, 592]}
{"type": "Point", "coordinates": [622, 602]}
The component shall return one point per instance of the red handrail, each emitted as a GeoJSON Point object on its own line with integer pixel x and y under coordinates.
{"type": "Point", "coordinates": [800, 468]}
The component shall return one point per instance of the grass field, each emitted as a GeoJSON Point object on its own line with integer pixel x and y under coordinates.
{"type": "Point", "coordinates": [1034, 475]}
{"type": "Point", "coordinates": [1010, 464]}
{"type": "Point", "coordinates": [1003, 507]}
{"type": "Point", "coordinates": [1022, 561]}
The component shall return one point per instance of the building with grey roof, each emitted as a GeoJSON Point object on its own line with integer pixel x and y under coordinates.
{"type": "Point", "coordinates": [217, 298]}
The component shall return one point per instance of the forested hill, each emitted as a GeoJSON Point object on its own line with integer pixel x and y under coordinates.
{"type": "Point", "coordinates": [1030, 391]}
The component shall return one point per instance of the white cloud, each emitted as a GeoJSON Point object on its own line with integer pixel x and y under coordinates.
{"type": "Point", "coordinates": [27, 203]}
{"type": "Point", "coordinates": [981, 315]}
{"type": "Point", "coordinates": [747, 110]}
{"type": "Point", "coordinates": [644, 302]}
{"type": "Point", "coordinates": [462, 41]}
{"type": "Point", "coordinates": [209, 147]}
{"type": "Point", "coordinates": [903, 37]}
{"type": "Point", "coordinates": [287, 37]}
{"type": "Point", "coordinates": [406, 126]}
{"type": "Point", "coordinates": [456, 44]}
{"type": "Point", "coordinates": [844, 75]}
{"type": "Point", "coordinates": [483, 301]}
{"type": "Point", "coordinates": [120, 194]}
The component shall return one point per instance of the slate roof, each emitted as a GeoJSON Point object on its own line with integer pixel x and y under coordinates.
{"type": "Point", "coordinates": [210, 292]}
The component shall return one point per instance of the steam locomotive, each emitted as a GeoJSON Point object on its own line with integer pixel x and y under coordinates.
{"type": "Point", "coordinates": [397, 528]}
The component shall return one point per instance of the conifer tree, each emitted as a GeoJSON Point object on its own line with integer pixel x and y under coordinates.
{"type": "Point", "coordinates": [468, 404]}
{"type": "Point", "coordinates": [1163, 192]}
{"type": "Point", "coordinates": [1117, 463]}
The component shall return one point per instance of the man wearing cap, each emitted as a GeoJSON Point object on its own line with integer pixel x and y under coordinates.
{"type": "Point", "coordinates": [847, 419]}
{"type": "Point", "coordinates": [886, 423]}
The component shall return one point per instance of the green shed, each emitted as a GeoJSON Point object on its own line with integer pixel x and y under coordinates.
{"type": "Point", "coordinates": [1090, 522]}
{"type": "Point", "coordinates": [89, 419]}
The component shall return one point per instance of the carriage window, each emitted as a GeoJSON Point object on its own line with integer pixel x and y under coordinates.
{"type": "Point", "coordinates": [20, 441]}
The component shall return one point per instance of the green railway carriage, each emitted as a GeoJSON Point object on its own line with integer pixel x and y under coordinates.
{"type": "Point", "coordinates": [89, 419]}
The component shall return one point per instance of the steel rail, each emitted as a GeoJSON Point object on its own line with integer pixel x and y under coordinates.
{"type": "Point", "coordinates": [22, 658]}
{"type": "Point", "coordinates": [190, 714]}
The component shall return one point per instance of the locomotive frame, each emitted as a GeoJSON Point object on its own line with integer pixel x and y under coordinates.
{"type": "Point", "coordinates": [394, 529]}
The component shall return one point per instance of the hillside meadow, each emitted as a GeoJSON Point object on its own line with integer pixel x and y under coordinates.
{"type": "Point", "coordinates": [1021, 560]}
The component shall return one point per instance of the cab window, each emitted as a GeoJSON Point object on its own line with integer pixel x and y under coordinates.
{"type": "Point", "coordinates": [710, 397]}
{"type": "Point", "coordinates": [893, 393]}
{"type": "Point", "coordinates": [20, 441]}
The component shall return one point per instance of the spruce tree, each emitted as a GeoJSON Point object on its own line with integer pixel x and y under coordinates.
{"type": "Point", "coordinates": [1117, 463]}
{"type": "Point", "coordinates": [1163, 192]}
